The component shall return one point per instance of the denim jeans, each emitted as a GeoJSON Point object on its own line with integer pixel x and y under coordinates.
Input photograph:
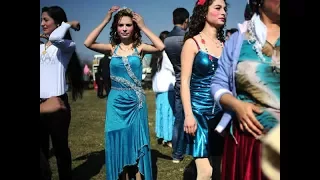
{"type": "Point", "coordinates": [178, 144]}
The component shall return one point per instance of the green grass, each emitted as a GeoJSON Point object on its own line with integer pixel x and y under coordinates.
{"type": "Point", "coordinates": [86, 142]}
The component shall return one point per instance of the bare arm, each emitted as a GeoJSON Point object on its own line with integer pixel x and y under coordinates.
{"type": "Point", "coordinates": [90, 41]}
{"type": "Point", "coordinates": [228, 101]}
{"type": "Point", "coordinates": [187, 57]}
{"type": "Point", "coordinates": [156, 41]}
{"type": "Point", "coordinates": [245, 113]}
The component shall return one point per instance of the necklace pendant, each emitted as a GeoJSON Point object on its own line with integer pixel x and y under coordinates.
{"type": "Point", "coordinates": [210, 57]}
{"type": "Point", "coordinates": [44, 52]}
{"type": "Point", "coordinates": [203, 41]}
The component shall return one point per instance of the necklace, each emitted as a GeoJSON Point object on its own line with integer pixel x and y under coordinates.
{"type": "Point", "coordinates": [126, 48]}
{"type": "Point", "coordinates": [257, 45]}
{"type": "Point", "coordinates": [45, 48]}
{"type": "Point", "coordinates": [216, 41]}
{"type": "Point", "coordinates": [205, 47]}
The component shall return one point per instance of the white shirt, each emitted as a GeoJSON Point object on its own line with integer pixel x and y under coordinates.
{"type": "Point", "coordinates": [164, 79]}
{"type": "Point", "coordinates": [54, 62]}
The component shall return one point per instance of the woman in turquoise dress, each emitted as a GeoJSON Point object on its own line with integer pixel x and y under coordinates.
{"type": "Point", "coordinates": [127, 133]}
{"type": "Point", "coordinates": [199, 59]}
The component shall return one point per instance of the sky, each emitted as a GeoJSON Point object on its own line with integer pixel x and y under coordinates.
{"type": "Point", "coordinates": [157, 16]}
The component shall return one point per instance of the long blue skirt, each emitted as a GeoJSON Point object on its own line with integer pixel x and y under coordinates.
{"type": "Point", "coordinates": [164, 115]}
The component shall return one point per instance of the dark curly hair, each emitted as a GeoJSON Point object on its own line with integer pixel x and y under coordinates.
{"type": "Point", "coordinates": [198, 20]}
{"type": "Point", "coordinates": [114, 37]}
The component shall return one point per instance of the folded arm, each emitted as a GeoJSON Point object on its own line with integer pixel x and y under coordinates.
{"type": "Point", "coordinates": [57, 38]}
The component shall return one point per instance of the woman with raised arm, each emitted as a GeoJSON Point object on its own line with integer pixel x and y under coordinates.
{"type": "Point", "coordinates": [58, 59]}
{"type": "Point", "coordinates": [127, 134]}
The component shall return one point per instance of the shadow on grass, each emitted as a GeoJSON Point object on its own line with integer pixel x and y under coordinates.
{"type": "Point", "coordinates": [91, 167]}
{"type": "Point", "coordinates": [155, 154]}
{"type": "Point", "coordinates": [95, 161]}
{"type": "Point", "coordinates": [190, 171]}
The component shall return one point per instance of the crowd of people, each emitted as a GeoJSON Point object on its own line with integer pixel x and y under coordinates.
{"type": "Point", "coordinates": [217, 92]}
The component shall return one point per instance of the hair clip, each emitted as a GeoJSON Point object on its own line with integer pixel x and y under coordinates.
{"type": "Point", "coordinates": [126, 9]}
{"type": "Point", "coordinates": [201, 2]}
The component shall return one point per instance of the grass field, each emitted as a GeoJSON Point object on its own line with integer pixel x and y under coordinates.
{"type": "Point", "coordinates": [87, 143]}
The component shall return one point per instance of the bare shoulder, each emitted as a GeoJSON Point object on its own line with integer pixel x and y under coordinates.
{"type": "Point", "coordinates": [197, 38]}
{"type": "Point", "coordinates": [100, 47]}
{"type": "Point", "coordinates": [190, 45]}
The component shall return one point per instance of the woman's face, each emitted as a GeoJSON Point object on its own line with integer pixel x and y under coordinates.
{"type": "Point", "coordinates": [47, 23]}
{"type": "Point", "coordinates": [216, 13]}
{"type": "Point", "coordinates": [272, 9]}
{"type": "Point", "coordinates": [125, 27]}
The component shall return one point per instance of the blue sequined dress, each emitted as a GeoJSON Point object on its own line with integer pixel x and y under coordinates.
{"type": "Point", "coordinates": [126, 129]}
{"type": "Point", "coordinates": [202, 103]}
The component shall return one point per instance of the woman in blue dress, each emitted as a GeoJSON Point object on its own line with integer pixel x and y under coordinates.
{"type": "Point", "coordinates": [127, 133]}
{"type": "Point", "coordinates": [199, 59]}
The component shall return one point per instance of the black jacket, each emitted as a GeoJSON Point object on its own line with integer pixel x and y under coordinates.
{"type": "Point", "coordinates": [104, 71]}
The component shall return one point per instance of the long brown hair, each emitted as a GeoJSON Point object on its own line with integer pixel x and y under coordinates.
{"type": "Point", "coordinates": [114, 37]}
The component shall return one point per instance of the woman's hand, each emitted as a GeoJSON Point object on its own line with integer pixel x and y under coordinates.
{"type": "Point", "coordinates": [75, 25]}
{"type": "Point", "coordinates": [139, 20]}
{"type": "Point", "coordinates": [245, 114]}
{"type": "Point", "coordinates": [110, 12]}
{"type": "Point", "coordinates": [44, 36]}
{"type": "Point", "coordinates": [190, 125]}
{"type": "Point", "coordinates": [51, 105]}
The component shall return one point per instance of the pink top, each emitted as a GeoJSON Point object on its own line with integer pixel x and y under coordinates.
{"type": "Point", "coordinates": [86, 70]}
